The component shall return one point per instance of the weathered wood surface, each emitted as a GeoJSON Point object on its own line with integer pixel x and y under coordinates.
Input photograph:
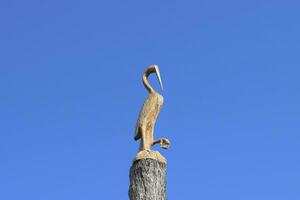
{"type": "Point", "coordinates": [147, 180]}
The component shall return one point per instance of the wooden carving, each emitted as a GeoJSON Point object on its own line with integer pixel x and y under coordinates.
{"type": "Point", "coordinates": [149, 113]}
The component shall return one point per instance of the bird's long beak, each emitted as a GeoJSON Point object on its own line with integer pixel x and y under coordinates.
{"type": "Point", "coordinates": [158, 76]}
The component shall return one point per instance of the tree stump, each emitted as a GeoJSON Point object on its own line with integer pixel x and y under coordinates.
{"type": "Point", "coordinates": [147, 179]}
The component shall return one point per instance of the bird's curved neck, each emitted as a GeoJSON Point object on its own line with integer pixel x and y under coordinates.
{"type": "Point", "coordinates": [145, 81]}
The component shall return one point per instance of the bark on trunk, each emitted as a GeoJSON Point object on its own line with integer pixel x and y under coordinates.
{"type": "Point", "coordinates": [147, 180]}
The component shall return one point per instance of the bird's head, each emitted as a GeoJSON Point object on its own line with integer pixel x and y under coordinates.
{"type": "Point", "coordinates": [154, 69]}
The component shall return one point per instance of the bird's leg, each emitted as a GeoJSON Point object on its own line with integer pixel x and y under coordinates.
{"type": "Point", "coordinates": [146, 140]}
{"type": "Point", "coordinates": [163, 142]}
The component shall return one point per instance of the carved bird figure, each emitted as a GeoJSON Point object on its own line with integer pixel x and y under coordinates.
{"type": "Point", "coordinates": [149, 113]}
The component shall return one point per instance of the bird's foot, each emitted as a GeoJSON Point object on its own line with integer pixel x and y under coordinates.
{"type": "Point", "coordinates": [163, 142]}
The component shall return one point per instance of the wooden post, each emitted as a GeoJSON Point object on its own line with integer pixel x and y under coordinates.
{"type": "Point", "coordinates": [148, 177]}
{"type": "Point", "coordinates": [148, 171]}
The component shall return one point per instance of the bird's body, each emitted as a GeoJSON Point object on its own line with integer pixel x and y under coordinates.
{"type": "Point", "coordinates": [148, 114]}
{"type": "Point", "coordinates": [147, 118]}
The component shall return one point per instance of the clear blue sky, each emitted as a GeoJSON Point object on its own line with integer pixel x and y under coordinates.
{"type": "Point", "coordinates": [71, 90]}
